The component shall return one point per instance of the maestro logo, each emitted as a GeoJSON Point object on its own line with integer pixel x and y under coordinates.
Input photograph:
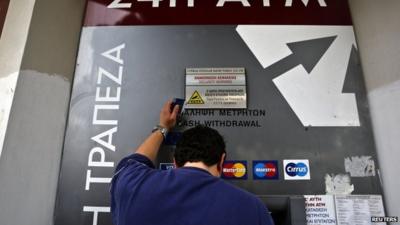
{"type": "Point", "coordinates": [265, 170]}
{"type": "Point", "coordinates": [297, 169]}
{"type": "Point", "coordinates": [234, 170]}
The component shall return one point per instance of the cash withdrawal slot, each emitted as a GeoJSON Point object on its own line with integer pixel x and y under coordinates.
{"type": "Point", "coordinates": [286, 210]}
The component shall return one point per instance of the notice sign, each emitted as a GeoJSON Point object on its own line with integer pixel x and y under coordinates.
{"type": "Point", "coordinates": [215, 88]}
{"type": "Point", "coordinates": [358, 209]}
{"type": "Point", "coordinates": [320, 210]}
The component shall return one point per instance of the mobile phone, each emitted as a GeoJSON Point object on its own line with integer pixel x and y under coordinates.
{"type": "Point", "coordinates": [177, 101]}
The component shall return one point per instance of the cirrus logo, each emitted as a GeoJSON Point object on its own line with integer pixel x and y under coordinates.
{"type": "Point", "coordinates": [296, 169]}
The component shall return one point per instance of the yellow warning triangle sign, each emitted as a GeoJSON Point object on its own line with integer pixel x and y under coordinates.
{"type": "Point", "coordinates": [196, 98]}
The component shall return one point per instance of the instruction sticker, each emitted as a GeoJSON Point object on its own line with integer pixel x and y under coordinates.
{"type": "Point", "coordinates": [358, 209]}
{"type": "Point", "coordinates": [215, 88]}
{"type": "Point", "coordinates": [320, 210]}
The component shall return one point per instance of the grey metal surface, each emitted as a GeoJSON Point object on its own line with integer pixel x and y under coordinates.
{"type": "Point", "coordinates": [155, 59]}
{"type": "Point", "coordinates": [378, 31]}
{"type": "Point", "coordinates": [31, 158]}
{"type": "Point", "coordinates": [297, 214]}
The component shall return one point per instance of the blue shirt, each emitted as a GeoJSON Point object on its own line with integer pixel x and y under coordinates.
{"type": "Point", "coordinates": [143, 195]}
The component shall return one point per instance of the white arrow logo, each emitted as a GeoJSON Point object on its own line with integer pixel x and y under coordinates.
{"type": "Point", "coordinates": [315, 96]}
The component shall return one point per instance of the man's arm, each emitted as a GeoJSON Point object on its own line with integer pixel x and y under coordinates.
{"type": "Point", "coordinates": [151, 145]}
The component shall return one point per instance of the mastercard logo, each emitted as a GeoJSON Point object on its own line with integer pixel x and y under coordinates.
{"type": "Point", "coordinates": [265, 170]}
{"type": "Point", "coordinates": [234, 170]}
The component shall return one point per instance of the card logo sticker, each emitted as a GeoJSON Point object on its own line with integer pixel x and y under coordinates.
{"type": "Point", "coordinates": [265, 170]}
{"type": "Point", "coordinates": [234, 170]}
{"type": "Point", "coordinates": [196, 98]}
{"type": "Point", "coordinates": [297, 169]}
{"type": "Point", "coordinates": [167, 166]}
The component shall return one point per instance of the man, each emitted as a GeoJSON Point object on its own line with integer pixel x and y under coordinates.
{"type": "Point", "coordinates": [192, 194]}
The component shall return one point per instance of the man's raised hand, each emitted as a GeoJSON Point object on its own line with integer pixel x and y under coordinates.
{"type": "Point", "coordinates": [168, 118]}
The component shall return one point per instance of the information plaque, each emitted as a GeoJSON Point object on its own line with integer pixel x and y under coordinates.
{"type": "Point", "coordinates": [359, 209]}
{"type": "Point", "coordinates": [215, 88]}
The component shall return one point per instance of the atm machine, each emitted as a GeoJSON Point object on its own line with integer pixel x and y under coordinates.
{"type": "Point", "coordinates": [286, 210]}
{"type": "Point", "coordinates": [280, 80]}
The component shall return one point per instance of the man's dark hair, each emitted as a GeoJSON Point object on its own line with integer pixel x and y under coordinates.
{"type": "Point", "coordinates": [199, 144]}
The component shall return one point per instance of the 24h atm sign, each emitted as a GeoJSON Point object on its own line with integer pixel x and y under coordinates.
{"type": "Point", "coordinates": [191, 12]}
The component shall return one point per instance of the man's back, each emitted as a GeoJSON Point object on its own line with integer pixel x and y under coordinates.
{"type": "Point", "coordinates": [185, 196]}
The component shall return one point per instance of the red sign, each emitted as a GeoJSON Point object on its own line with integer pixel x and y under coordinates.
{"type": "Point", "coordinates": [217, 12]}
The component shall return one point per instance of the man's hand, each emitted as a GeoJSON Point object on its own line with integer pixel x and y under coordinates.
{"type": "Point", "coordinates": [168, 118]}
{"type": "Point", "coordinates": [151, 145]}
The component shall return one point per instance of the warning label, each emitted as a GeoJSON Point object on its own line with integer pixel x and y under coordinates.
{"type": "Point", "coordinates": [195, 99]}
{"type": "Point", "coordinates": [216, 88]}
